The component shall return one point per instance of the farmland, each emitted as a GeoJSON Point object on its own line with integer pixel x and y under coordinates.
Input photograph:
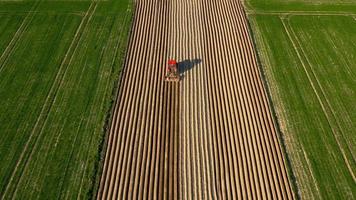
{"type": "Point", "coordinates": [275, 121]}
{"type": "Point", "coordinates": [210, 136]}
{"type": "Point", "coordinates": [308, 59]}
{"type": "Point", "coordinates": [58, 66]}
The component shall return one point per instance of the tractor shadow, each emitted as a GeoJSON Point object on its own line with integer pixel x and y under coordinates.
{"type": "Point", "coordinates": [187, 65]}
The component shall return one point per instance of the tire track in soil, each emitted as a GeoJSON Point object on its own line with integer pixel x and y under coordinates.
{"type": "Point", "coordinates": [209, 136]}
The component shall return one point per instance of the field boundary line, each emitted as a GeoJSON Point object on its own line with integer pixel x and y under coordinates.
{"type": "Point", "coordinates": [276, 122]}
{"type": "Point", "coordinates": [116, 52]}
{"type": "Point", "coordinates": [324, 108]}
{"type": "Point", "coordinates": [110, 110]}
{"type": "Point", "coordinates": [98, 189]}
{"type": "Point", "coordinates": [18, 34]}
{"type": "Point", "coordinates": [77, 37]}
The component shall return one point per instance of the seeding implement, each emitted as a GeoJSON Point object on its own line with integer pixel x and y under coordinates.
{"type": "Point", "coordinates": [172, 73]}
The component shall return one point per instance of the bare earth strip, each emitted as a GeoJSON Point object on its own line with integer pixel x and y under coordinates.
{"type": "Point", "coordinates": [210, 136]}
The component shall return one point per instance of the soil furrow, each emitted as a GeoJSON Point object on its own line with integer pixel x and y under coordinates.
{"type": "Point", "coordinates": [210, 135]}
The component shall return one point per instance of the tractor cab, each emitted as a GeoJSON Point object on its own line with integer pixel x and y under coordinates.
{"type": "Point", "coordinates": [172, 73]}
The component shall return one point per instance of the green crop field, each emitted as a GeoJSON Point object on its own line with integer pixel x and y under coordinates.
{"type": "Point", "coordinates": [302, 6]}
{"type": "Point", "coordinates": [309, 63]}
{"type": "Point", "coordinates": [59, 65]}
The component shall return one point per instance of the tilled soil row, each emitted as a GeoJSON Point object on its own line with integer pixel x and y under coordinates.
{"type": "Point", "coordinates": [209, 136]}
{"type": "Point", "coordinates": [141, 159]}
{"type": "Point", "coordinates": [229, 144]}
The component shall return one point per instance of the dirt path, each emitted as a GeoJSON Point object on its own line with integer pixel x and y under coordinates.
{"type": "Point", "coordinates": [211, 135]}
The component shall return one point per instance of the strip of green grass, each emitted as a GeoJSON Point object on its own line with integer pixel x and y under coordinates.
{"type": "Point", "coordinates": [62, 151]}
{"type": "Point", "coordinates": [8, 26]}
{"type": "Point", "coordinates": [26, 79]}
{"type": "Point", "coordinates": [15, 6]}
{"type": "Point", "coordinates": [302, 5]}
{"type": "Point", "coordinates": [309, 67]}
{"type": "Point", "coordinates": [21, 7]}
{"type": "Point", "coordinates": [329, 48]}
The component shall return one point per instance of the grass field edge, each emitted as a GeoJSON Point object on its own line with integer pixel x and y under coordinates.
{"type": "Point", "coordinates": [93, 191]}
{"type": "Point", "coordinates": [281, 140]}
{"type": "Point", "coordinates": [252, 5]}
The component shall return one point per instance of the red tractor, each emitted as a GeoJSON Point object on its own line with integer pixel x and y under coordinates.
{"type": "Point", "coordinates": [172, 73]}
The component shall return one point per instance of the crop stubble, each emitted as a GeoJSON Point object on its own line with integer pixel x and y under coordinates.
{"type": "Point", "coordinates": [211, 135]}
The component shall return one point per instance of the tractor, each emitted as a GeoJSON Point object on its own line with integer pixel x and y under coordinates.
{"type": "Point", "coordinates": [172, 73]}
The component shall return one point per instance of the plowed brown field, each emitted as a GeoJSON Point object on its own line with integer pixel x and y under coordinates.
{"type": "Point", "coordinates": [209, 136]}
